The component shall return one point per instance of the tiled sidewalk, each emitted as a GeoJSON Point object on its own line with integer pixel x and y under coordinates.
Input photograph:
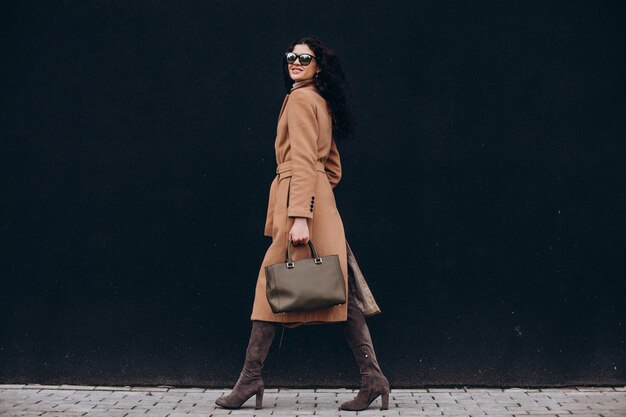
{"type": "Point", "coordinates": [101, 401]}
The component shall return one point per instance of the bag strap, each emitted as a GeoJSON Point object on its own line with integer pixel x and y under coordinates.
{"type": "Point", "coordinates": [290, 263]}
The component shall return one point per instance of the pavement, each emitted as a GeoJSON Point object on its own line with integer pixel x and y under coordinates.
{"type": "Point", "coordinates": [31, 400]}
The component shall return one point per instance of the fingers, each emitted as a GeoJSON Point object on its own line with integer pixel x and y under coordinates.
{"type": "Point", "coordinates": [299, 235]}
{"type": "Point", "coordinates": [300, 241]}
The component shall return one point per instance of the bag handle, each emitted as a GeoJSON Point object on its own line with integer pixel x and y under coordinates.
{"type": "Point", "coordinates": [289, 262]}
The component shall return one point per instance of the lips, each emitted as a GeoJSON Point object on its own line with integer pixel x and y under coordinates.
{"type": "Point", "coordinates": [296, 70]}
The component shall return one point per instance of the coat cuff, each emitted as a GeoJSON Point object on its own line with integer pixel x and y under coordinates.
{"type": "Point", "coordinates": [298, 212]}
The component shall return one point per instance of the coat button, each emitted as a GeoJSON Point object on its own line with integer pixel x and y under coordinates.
{"type": "Point", "coordinates": [311, 209]}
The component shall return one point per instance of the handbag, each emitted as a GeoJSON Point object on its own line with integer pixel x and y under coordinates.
{"type": "Point", "coordinates": [305, 284]}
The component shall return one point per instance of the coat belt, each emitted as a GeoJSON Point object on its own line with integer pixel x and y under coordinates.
{"type": "Point", "coordinates": [286, 166]}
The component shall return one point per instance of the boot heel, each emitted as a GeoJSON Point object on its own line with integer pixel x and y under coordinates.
{"type": "Point", "coordinates": [385, 401]}
{"type": "Point", "coordinates": [259, 399]}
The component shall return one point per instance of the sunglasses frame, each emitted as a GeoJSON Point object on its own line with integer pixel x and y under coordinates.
{"type": "Point", "coordinates": [298, 58]}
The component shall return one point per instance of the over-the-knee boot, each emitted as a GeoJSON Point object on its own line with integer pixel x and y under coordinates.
{"type": "Point", "coordinates": [250, 381]}
{"type": "Point", "coordinates": [373, 382]}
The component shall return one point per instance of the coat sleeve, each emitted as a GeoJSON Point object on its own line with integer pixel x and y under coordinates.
{"type": "Point", "coordinates": [303, 133]}
{"type": "Point", "coordinates": [332, 165]}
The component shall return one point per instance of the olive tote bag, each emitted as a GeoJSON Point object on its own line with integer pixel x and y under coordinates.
{"type": "Point", "coordinates": [306, 284]}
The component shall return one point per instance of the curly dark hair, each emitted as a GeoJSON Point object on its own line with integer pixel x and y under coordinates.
{"type": "Point", "coordinates": [330, 83]}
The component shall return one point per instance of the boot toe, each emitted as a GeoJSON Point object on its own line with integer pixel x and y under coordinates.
{"type": "Point", "coordinates": [220, 401]}
{"type": "Point", "coordinates": [356, 405]}
{"type": "Point", "coordinates": [350, 406]}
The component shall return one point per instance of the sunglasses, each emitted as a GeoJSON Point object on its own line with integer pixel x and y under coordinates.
{"type": "Point", "coordinates": [305, 59]}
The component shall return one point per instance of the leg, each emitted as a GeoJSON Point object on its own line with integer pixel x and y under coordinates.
{"type": "Point", "coordinates": [373, 382]}
{"type": "Point", "coordinates": [250, 381]}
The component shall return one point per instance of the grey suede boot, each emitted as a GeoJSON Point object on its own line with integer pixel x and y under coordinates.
{"type": "Point", "coordinates": [373, 382]}
{"type": "Point", "coordinates": [250, 381]}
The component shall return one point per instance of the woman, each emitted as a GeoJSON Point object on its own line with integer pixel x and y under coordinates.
{"type": "Point", "coordinates": [302, 206]}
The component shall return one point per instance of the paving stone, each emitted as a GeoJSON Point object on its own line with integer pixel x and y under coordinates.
{"type": "Point", "coordinates": [479, 389]}
{"type": "Point", "coordinates": [78, 387]}
{"type": "Point", "coordinates": [581, 415]}
{"type": "Point", "coordinates": [190, 390]}
{"type": "Point", "coordinates": [541, 415]}
{"type": "Point", "coordinates": [40, 386]}
{"type": "Point", "coordinates": [603, 389]}
{"type": "Point", "coordinates": [186, 415]}
{"type": "Point", "coordinates": [106, 413]}
{"type": "Point", "coordinates": [148, 389]}
{"type": "Point", "coordinates": [111, 388]}
{"type": "Point", "coordinates": [447, 390]}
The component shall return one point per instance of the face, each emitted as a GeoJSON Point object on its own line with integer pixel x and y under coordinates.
{"type": "Point", "coordinates": [299, 72]}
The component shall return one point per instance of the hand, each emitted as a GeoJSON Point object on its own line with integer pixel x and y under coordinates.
{"type": "Point", "coordinates": [299, 232]}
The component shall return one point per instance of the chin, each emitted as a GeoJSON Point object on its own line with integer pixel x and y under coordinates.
{"type": "Point", "coordinates": [298, 77]}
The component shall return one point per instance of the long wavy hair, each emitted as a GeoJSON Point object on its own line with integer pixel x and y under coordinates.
{"type": "Point", "coordinates": [330, 83]}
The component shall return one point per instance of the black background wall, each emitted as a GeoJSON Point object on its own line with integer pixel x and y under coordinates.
{"type": "Point", "coordinates": [484, 196]}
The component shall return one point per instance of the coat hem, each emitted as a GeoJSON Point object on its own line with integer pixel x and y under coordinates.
{"type": "Point", "coordinates": [293, 324]}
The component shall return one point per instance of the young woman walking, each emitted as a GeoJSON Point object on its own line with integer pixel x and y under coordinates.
{"type": "Point", "coordinates": [302, 206]}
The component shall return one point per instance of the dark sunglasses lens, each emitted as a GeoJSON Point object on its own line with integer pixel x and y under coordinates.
{"type": "Point", "coordinates": [291, 57]}
{"type": "Point", "coordinates": [305, 59]}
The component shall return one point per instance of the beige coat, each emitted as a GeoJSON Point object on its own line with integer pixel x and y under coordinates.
{"type": "Point", "coordinates": [308, 168]}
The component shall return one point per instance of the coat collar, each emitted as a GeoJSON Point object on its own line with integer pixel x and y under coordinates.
{"type": "Point", "coordinates": [299, 84]}
{"type": "Point", "coordinates": [304, 83]}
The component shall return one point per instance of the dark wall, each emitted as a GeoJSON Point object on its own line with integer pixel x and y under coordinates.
{"type": "Point", "coordinates": [484, 196]}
